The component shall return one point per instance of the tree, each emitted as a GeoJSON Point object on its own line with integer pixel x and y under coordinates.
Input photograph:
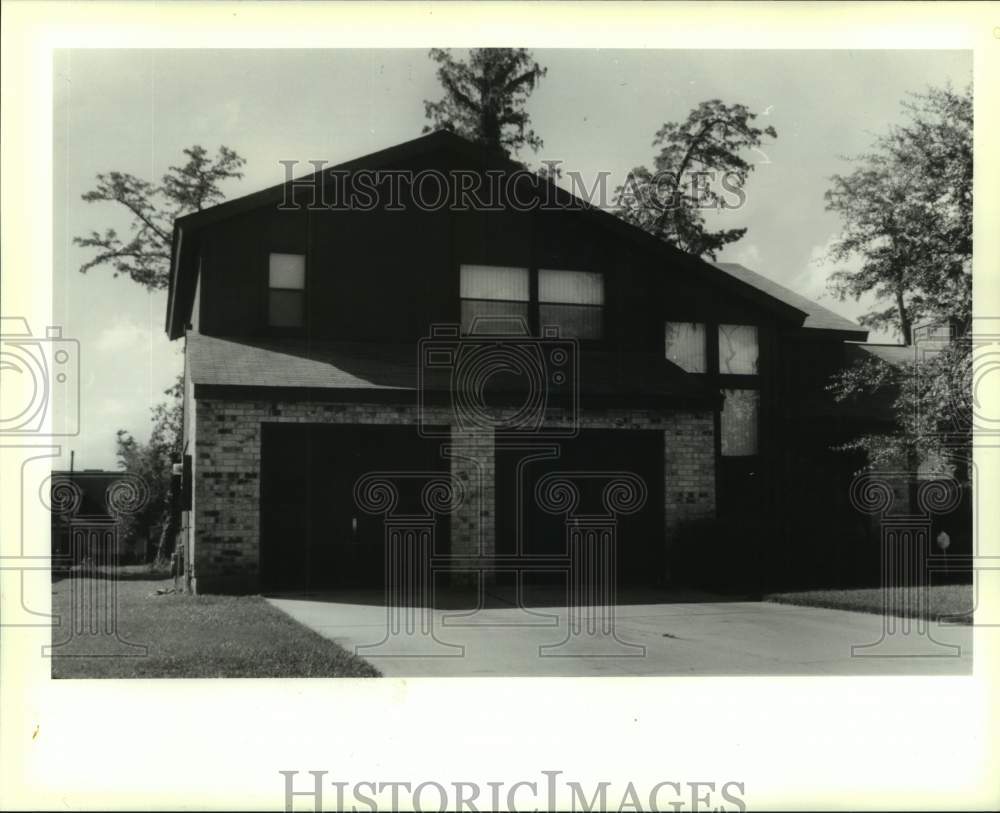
{"type": "Point", "coordinates": [485, 97]}
{"type": "Point", "coordinates": [153, 462]}
{"type": "Point", "coordinates": [907, 214]}
{"type": "Point", "coordinates": [695, 158]}
{"type": "Point", "coordinates": [144, 255]}
{"type": "Point", "coordinates": [932, 409]}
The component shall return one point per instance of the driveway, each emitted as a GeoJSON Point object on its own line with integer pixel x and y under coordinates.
{"type": "Point", "coordinates": [661, 634]}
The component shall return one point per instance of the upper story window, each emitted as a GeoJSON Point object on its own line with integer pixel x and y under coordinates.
{"type": "Point", "coordinates": [738, 349]}
{"type": "Point", "coordinates": [572, 300]}
{"type": "Point", "coordinates": [286, 290]}
{"type": "Point", "coordinates": [500, 297]}
{"type": "Point", "coordinates": [684, 344]}
{"type": "Point", "coordinates": [494, 294]}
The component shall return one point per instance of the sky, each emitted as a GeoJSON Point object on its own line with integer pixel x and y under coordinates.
{"type": "Point", "coordinates": [597, 111]}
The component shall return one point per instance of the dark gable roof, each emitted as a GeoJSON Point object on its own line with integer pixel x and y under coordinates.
{"type": "Point", "coordinates": [184, 250]}
{"type": "Point", "coordinates": [392, 371]}
{"type": "Point", "coordinates": [898, 355]}
{"type": "Point", "coordinates": [817, 317]}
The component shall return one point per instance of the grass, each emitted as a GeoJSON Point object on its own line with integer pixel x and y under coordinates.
{"type": "Point", "coordinates": [190, 637]}
{"type": "Point", "coordinates": [942, 600]}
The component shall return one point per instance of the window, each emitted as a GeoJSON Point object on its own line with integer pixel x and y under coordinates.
{"type": "Point", "coordinates": [286, 290]}
{"type": "Point", "coordinates": [738, 427]}
{"type": "Point", "coordinates": [495, 295]}
{"type": "Point", "coordinates": [685, 345]}
{"type": "Point", "coordinates": [572, 300]}
{"type": "Point", "coordinates": [737, 349]}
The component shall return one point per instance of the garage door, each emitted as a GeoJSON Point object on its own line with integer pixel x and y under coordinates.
{"type": "Point", "coordinates": [640, 543]}
{"type": "Point", "coordinates": [313, 535]}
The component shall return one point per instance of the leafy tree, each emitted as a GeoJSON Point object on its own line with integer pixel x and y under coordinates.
{"type": "Point", "coordinates": [907, 213]}
{"type": "Point", "coordinates": [144, 255]}
{"type": "Point", "coordinates": [931, 405]}
{"type": "Point", "coordinates": [153, 462]}
{"type": "Point", "coordinates": [485, 97]}
{"type": "Point", "coordinates": [696, 159]}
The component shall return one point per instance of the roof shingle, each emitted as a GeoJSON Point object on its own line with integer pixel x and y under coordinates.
{"type": "Point", "coordinates": [817, 317]}
{"type": "Point", "coordinates": [246, 362]}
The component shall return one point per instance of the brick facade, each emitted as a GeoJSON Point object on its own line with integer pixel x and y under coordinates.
{"type": "Point", "coordinates": [225, 443]}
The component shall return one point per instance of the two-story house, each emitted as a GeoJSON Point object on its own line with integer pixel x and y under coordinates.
{"type": "Point", "coordinates": [493, 343]}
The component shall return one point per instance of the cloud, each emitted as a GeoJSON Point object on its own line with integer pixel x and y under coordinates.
{"type": "Point", "coordinates": [123, 335]}
{"type": "Point", "coordinates": [811, 282]}
{"type": "Point", "coordinates": [748, 255]}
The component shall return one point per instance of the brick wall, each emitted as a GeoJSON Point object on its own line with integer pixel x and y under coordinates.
{"type": "Point", "coordinates": [225, 537]}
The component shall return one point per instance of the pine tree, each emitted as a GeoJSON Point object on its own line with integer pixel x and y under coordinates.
{"type": "Point", "coordinates": [485, 97]}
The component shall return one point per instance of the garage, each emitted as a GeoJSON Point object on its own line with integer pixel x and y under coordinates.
{"type": "Point", "coordinates": [313, 534]}
{"type": "Point", "coordinates": [536, 540]}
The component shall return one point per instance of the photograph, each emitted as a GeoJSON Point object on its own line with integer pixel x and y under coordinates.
{"type": "Point", "coordinates": [547, 369]}
{"type": "Point", "coordinates": [509, 406]}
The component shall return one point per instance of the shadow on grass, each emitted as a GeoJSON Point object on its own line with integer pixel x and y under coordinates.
{"type": "Point", "coordinates": [125, 573]}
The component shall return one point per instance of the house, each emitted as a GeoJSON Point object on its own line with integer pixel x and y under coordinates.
{"type": "Point", "coordinates": [347, 325]}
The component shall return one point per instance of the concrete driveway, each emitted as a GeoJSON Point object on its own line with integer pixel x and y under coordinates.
{"type": "Point", "coordinates": [660, 634]}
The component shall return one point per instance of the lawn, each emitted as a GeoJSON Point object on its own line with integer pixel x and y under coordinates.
{"type": "Point", "coordinates": [944, 599]}
{"type": "Point", "coordinates": [188, 636]}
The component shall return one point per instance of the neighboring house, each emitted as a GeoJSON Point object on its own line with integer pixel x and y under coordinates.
{"type": "Point", "coordinates": [314, 355]}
